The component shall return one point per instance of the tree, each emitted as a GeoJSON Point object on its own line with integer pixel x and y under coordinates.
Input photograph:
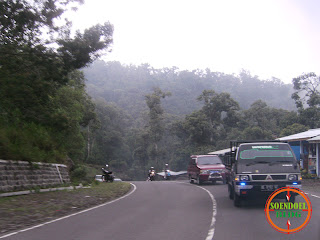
{"type": "Point", "coordinates": [293, 129]}
{"type": "Point", "coordinates": [206, 129]}
{"type": "Point", "coordinates": [155, 126]}
{"type": "Point", "coordinates": [220, 110]}
{"type": "Point", "coordinates": [108, 143]}
{"type": "Point", "coordinates": [307, 99]}
{"type": "Point", "coordinates": [306, 90]}
{"type": "Point", "coordinates": [269, 120]}
{"type": "Point", "coordinates": [256, 133]}
{"type": "Point", "coordinates": [31, 68]}
{"type": "Point", "coordinates": [40, 86]}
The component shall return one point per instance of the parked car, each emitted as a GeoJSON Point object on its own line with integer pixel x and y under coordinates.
{"type": "Point", "coordinates": [206, 168]}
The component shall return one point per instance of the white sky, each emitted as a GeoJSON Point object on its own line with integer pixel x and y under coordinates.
{"type": "Point", "coordinates": [269, 38]}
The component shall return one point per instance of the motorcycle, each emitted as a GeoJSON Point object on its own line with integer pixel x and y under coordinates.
{"type": "Point", "coordinates": [107, 176]}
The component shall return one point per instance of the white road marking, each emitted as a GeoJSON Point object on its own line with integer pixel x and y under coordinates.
{"type": "Point", "coordinates": [312, 195]}
{"type": "Point", "coordinates": [214, 212]}
{"type": "Point", "coordinates": [71, 215]}
{"type": "Point", "coordinates": [315, 196]}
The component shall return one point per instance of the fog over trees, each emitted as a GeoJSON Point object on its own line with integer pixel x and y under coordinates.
{"type": "Point", "coordinates": [202, 111]}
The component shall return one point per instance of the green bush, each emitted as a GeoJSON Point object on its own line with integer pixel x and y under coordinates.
{"type": "Point", "coordinates": [78, 175]}
{"type": "Point", "coordinates": [95, 182]}
{"type": "Point", "coordinates": [28, 141]}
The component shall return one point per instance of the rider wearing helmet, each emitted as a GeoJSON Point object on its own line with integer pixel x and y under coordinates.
{"type": "Point", "coordinates": [166, 172]}
{"type": "Point", "coordinates": [150, 171]}
{"type": "Point", "coordinates": [104, 172]}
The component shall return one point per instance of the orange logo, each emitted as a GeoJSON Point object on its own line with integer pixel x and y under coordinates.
{"type": "Point", "coordinates": [288, 217]}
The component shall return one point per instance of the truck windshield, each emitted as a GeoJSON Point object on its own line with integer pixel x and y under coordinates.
{"type": "Point", "coordinates": [268, 153]}
{"type": "Point", "coordinates": [209, 160]}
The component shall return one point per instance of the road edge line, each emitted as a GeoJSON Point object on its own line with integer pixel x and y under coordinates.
{"type": "Point", "coordinates": [214, 211]}
{"type": "Point", "coordinates": [313, 195]}
{"type": "Point", "coordinates": [71, 215]}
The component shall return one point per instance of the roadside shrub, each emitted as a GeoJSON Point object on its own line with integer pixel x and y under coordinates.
{"type": "Point", "coordinates": [78, 174]}
{"type": "Point", "coordinates": [95, 182]}
{"type": "Point", "coordinates": [29, 142]}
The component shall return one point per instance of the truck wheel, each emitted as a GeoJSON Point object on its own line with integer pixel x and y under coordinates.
{"type": "Point", "coordinates": [236, 199]}
{"type": "Point", "coordinates": [199, 181]}
{"type": "Point", "coordinates": [230, 192]}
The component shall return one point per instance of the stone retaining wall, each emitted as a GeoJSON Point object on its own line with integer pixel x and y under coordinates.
{"type": "Point", "coordinates": [21, 175]}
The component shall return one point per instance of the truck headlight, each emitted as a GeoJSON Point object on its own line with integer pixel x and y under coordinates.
{"type": "Point", "coordinates": [244, 178]}
{"type": "Point", "coordinates": [204, 171]}
{"type": "Point", "coordinates": [292, 177]}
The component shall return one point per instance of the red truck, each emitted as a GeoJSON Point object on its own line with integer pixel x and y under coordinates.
{"type": "Point", "coordinates": [206, 168]}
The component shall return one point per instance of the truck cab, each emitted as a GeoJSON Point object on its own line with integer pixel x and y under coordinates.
{"type": "Point", "coordinates": [257, 169]}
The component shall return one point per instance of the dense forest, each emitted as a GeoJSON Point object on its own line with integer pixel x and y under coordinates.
{"type": "Point", "coordinates": [159, 116]}
{"type": "Point", "coordinates": [59, 103]}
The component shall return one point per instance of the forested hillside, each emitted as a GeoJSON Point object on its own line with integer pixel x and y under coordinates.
{"type": "Point", "coordinates": [126, 86]}
{"type": "Point", "coordinates": [158, 116]}
{"type": "Point", "coordinates": [131, 117]}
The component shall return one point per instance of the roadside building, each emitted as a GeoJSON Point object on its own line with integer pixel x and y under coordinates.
{"type": "Point", "coordinates": [306, 148]}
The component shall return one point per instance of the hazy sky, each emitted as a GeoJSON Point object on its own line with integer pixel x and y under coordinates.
{"type": "Point", "coordinates": [279, 38]}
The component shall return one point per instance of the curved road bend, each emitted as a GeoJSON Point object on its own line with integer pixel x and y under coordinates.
{"type": "Point", "coordinates": [249, 221]}
{"type": "Point", "coordinates": [156, 210]}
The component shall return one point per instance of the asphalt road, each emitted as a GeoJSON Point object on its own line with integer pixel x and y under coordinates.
{"type": "Point", "coordinates": [249, 222]}
{"type": "Point", "coordinates": [171, 210]}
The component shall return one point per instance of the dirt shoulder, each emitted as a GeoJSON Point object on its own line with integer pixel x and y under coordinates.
{"type": "Point", "coordinates": [20, 212]}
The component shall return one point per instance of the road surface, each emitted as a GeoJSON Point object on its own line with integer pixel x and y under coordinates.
{"type": "Point", "coordinates": [171, 210]}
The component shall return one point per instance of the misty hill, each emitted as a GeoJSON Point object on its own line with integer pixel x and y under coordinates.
{"type": "Point", "coordinates": [126, 86]}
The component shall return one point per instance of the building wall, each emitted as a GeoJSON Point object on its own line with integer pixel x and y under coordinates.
{"type": "Point", "coordinates": [21, 175]}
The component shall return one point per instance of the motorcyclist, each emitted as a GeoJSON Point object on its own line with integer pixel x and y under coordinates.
{"type": "Point", "coordinates": [166, 171]}
{"type": "Point", "coordinates": [105, 172]}
{"type": "Point", "coordinates": [166, 167]}
{"type": "Point", "coordinates": [150, 171]}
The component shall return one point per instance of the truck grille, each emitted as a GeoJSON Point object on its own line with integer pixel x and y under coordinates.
{"type": "Point", "coordinates": [274, 177]}
{"type": "Point", "coordinates": [259, 177]}
{"type": "Point", "coordinates": [279, 177]}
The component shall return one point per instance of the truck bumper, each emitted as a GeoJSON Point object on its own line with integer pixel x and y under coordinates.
{"type": "Point", "coordinates": [261, 189]}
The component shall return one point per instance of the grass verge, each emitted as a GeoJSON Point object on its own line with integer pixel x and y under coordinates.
{"type": "Point", "coordinates": [19, 212]}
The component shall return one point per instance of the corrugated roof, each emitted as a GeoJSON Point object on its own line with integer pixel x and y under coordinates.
{"type": "Point", "coordinates": [301, 136]}
{"type": "Point", "coordinates": [314, 139]}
